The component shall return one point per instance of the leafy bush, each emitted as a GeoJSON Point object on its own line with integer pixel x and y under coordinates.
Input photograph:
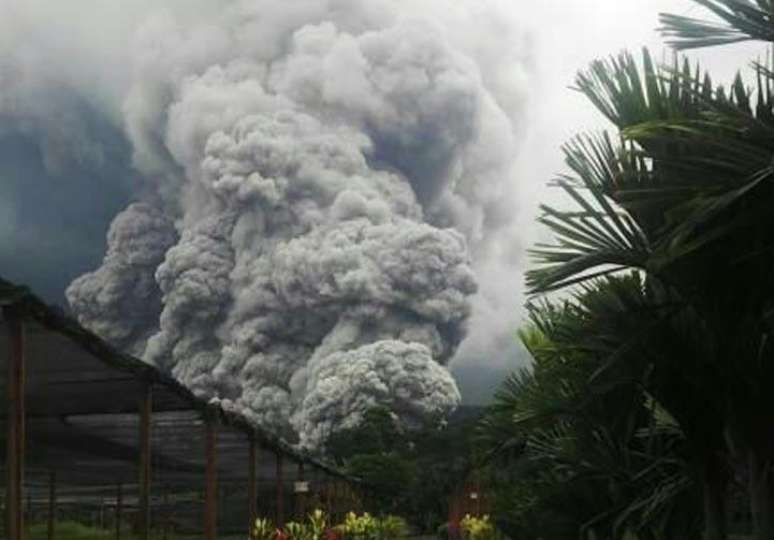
{"type": "Point", "coordinates": [299, 531]}
{"type": "Point", "coordinates": [363, 527]}
{"type": "Point", "coordinates": [316, 527]}
{"type": "Point", "coordinates": [393, 527]}
{"type": "Point", "coordinates": [367, 527]}
{"type": "Point", "coordinates": [264, 529]}
{"type": "Point", "coordinates": [478, 528]}
{"type": "Point", "coordinates": [318, 524]}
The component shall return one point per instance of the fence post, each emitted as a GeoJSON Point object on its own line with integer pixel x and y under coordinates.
{"type": "Point", "coordinates": [146, 410]}
{"type": "Point", "coordinates": [211, 480]}
{"type": "Point", "coordinates": [252, 503]}
{"type": "Point", "coordinates": [51, 504]}
{"type": "Point", "coordinates": [280, 481]}
{"type": "Point", "coordinates": [16, 425]}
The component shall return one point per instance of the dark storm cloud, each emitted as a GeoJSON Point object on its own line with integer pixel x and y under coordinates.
{"type": "Point", "coordinates": [63, 177]}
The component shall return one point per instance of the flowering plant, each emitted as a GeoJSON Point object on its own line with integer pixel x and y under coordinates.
{"type": "Point", "coordinates": [264, 529]}
{"type": "Point", "coordinates": [478, 528]}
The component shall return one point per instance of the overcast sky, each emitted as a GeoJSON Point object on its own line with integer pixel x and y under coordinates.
{"type": "Point", "coordinates": [568, 35]}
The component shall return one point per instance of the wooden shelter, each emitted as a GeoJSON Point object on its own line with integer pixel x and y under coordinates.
{"type": "Point", "coordinates": [90, 431]}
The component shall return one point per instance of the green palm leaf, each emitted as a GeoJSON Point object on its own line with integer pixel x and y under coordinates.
{"type": "Point", "coordinates": [740, 20]}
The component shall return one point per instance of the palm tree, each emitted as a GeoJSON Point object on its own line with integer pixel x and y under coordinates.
{"type": "Point", "coordinates": [589, 443]}
{"type": "Point", "coordinates": [685, 197]}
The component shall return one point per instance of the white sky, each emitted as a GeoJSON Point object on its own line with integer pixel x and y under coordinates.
{"type": "Point", "coordinates": [568, 35]}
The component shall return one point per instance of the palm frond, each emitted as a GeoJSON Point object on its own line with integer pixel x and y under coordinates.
{"type": "Point", "coordinates": [599, 239]}
{"type": "Point", "coordinates": [739, 20]}
{"type": "Point", "coordinates": [627, 94]}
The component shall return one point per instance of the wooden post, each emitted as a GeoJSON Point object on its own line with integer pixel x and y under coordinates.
{"type": "Point", "coordinates": [280, 481]}
{"type": "Point", "coordinates": [165, 523]}
{"type": "Point", "coordinates": [51, 504]}
{"type": "Point", "coordinates": [143, 509]}
{"type": "Point", "coordinates": [15, 441]}
{"type": "Point", "coordinates": [27, 513]}
{"type": "Point", "coordinates": [478, 494]}
{"type": "Point", "coordinates": [328, 498]}
{"type": "Point", "coordinates": [252, 487]}
{"type": "Point", "coordinates": [300, 497]}
{"type": "Point", "coordinates": [119, 509]}
{"type": "Point", "coordinates": [333, 497]}
{"type": "Point", "coordinates": [211, 481]}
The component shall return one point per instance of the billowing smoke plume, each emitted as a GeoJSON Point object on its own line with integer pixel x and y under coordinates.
{"type": "Point", "coordinates": [121, 300]}
{"type": "Point", "coordinates": [325, 178]}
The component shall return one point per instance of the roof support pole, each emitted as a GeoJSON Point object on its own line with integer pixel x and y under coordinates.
{"type": "Point", "coordinates": [328, 496]}
{"type": "Point", "coordinates": [332, 500]}
{"type": "Point", "coordinates": [478, 494]}
{"type": "Point", "coordinates": [165, 524]}
{"type": "Point", "coordinates": [337, 498]}
{"type": "Point", "coordinates": [280, 517]}
{"type": "Point", "coordinates": [211, 481]}
{"type": "Point", "coordinates": [119, 509]}
{"type": "Point", "coordinates": [51, 504]}
{"type": "Point", "coordinates": [15, 441]}
{"type": "Point", "coordinates": [301, 495]}
{"type": "Point", "coordinates": [252, 488]}
{"type": "Point", "coordinates": [143, 510]}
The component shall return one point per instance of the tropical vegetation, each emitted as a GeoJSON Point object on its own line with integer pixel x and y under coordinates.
{"type": "Point", "coordinates": [648, 412]}
{"type": "Point", "coordinates": [408, 472]}
{"type": "Point", "coordinates": [318, 527]}
{"type": "Point", "coordinates": [479, 528]}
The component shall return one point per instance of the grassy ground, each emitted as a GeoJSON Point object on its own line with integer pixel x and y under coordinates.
{"type": "Point", "coordinates": [75, 531]}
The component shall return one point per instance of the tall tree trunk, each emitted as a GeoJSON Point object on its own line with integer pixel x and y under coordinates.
{"type": "Point", "coordinates": [715, 484]}
{"type": "Point", "coordinates": [761, 503]}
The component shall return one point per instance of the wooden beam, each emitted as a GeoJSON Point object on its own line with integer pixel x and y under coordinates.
{"type": "Point", "coordinates": [143, 510]}
{"type": "Point", "coordinates": [85, 443]}
{"type": "Point", "coordinates": [51, 504]}
{"type": "Point", "coordinates": [119, 509]}
{"type": "Point", "coordinates": [280, 485]}
{"type": "Point", "coordinates": [252, 488]}
{"type": "Point", "coordinates": [211, 481]}
{"type": "Point", "coordinates": [15, 441]}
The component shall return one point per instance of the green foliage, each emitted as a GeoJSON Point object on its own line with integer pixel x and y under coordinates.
{"type": "Point", "coordinates": [478, 528]}
{"type": "Point", "coordinates": [577, 443]}
{"type": "Point", "coordinates": [313, 528]}
{"type": "Point", "coordinates": [361, 527]}
{"type": "Point", "coordinates": [316, 527]}
{"type": "Point", "coordinates": [264, 529]}
{"type": "Point", "coordinates": [386, 476]}
{"type": "Point", "coordinates": [408, 472]}
{"type": "Point", "coordinates": [393, 527]}
{"type": "Point", "coordinates": [741, 20]}
{"type": "Point", "coordinates": [298, 531]}
{"type": "Point", "coordinates": [377, 433]}
{"type": "Point", "coordinates": [317, 523]}
{"type": "Point", "coordinates": [682, 195]}
{"type": "Point", "coordinates": [367, 527]}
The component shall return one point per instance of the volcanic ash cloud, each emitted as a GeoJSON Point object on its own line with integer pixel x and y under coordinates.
{"type": "Point", "coordinates": [320, 174]}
